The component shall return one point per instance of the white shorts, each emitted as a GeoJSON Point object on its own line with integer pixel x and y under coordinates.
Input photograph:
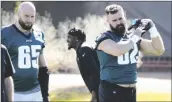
{"type": "Point", "coordinates": [36, 96]}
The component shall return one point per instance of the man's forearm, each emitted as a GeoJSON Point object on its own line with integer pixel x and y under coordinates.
{"type": "Point", "coordinates": [9, 88]}
{"type": "Point", "coordinates": [157, 42]}
{"type": "Point", "coordinates": [158, 45]}
{"type": "Point", "coordinates": [123, 48]}
{"type": "Point", "coordinates": [115, 49]}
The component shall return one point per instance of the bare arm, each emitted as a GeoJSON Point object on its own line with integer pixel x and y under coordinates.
{"type": "Point", "coordinates": [9, 88]}
{"type": "Point", "coordinates": [116, 49]}
{"type": "Point", "coordinates": [152, 47]}
{"type": "Point", "coordinates": [42, 61]}
{"type": "Point", "coordinates": [155, 46]}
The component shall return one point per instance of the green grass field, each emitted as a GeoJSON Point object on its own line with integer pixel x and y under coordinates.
{"type": "Point", "coordinates": [72, 88]}
{"type": "Point", "coordinates": [85, 96]}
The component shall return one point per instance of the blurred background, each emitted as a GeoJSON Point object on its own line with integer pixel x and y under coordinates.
{"type": "Point", "coordinates": [55, 18]}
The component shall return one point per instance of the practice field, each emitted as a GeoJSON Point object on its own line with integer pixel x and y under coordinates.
{"type": "Point", "coordinates": [150, 87]}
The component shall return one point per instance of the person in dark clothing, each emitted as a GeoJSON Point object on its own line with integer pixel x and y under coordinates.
{"type": "Point", "coordinates": [86, 59]}
{"type": "Point", "coordinates": [7, 70]}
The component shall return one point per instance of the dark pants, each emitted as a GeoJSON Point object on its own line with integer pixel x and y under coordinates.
{"type": "Point", "coordinates": [2, 96]}
{"type": "Point", "coordinates": [88, 83]}
{"type": "Point", "coordinates": [109, 92]}
{"type": "Point", "coordinates": [97, 95]}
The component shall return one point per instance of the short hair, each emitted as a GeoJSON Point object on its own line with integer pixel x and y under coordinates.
{"type": "Point", "coordinates": [114, 8]}
{"type": "Point", "coordinates": [26, 2]}
{"type": "Point", "coordinates": [77, 33]}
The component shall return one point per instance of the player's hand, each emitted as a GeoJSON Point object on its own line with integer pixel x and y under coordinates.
{"type": "Point", "coordinates": [150, 26]}
{"type": "Point", "coordinates": [141, 26]}
{"type": "Point", "coordinates": [134, 38]}
{"type": "Point", "coordinates": [93, 98]}
{"type": "Point", "coordinates": [146, 21]}
{"type": "Point", "coordinates": [138, 31]}
{"type": "Point", "coordinates": [46, 99]}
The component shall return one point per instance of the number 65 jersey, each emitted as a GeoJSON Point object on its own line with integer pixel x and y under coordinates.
{"type": "Point", "coordinates": [24, 51]}
{"type": "Point", "coordinates": [117, 69]}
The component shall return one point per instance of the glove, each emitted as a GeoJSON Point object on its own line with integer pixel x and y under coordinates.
{"type": "Point", "coordinates": [146, 21]}
{"type": "Point", "coordinates": [150, 26]}
{"type": "Point", "coordinates": [139, 28]}
{"type": "Point", "coordinates": [138, 31]}
{"type": "Point", "coordinates": [134, 38]}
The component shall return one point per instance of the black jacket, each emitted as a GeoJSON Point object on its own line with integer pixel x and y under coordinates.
{"type": "Point", "coordinates": [89, 67]}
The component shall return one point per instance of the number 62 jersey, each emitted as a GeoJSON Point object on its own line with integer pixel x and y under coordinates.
{"type": "Point", "coordinates": [24, 51]}
{"type": "Point", "coordinates": [117, 69]}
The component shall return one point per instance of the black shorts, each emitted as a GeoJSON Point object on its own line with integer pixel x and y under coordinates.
{"type": "Point", "coordinates": [109, 92]}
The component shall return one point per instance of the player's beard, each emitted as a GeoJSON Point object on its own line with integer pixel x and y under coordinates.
{"type": "Point", "coordinates": [69, 47]}
{"type": "Point", "coordinates": [73, 45]}
{"type": "Point", "coordinates": [119, 30]}
{"type": "Point", "coordinates": [24, 26]}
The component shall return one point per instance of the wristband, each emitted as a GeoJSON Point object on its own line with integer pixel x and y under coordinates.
{"type": "Point", "coordinates": [153, 32]}
{"type": "Point", "coordinates": [43, 78]}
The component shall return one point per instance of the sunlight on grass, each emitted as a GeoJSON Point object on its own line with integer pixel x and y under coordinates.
{"type": "Point", "coordinates": [153, 96]}
{"type": "Point", "coordinates": [69, 96]}
{"type": "Point", "coordinates": [76, 96]}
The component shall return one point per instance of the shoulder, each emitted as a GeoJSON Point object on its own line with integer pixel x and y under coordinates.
{"type": "Point", "coordinates": [86, 45]}
{"type": "Point", "coordinates": [6, 29]}
{"type": "Point", "coordinates": [38, 33]}
{"type": "Point", "coordinates": [86, 48]}
{"type": "Point", "coordinates": [104, 36]}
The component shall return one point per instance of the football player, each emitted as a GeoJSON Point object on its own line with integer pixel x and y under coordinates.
{"type": "Point", "coordinates": [117, 51]}
{"type": "Point", "coordinates": [25, 45]}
